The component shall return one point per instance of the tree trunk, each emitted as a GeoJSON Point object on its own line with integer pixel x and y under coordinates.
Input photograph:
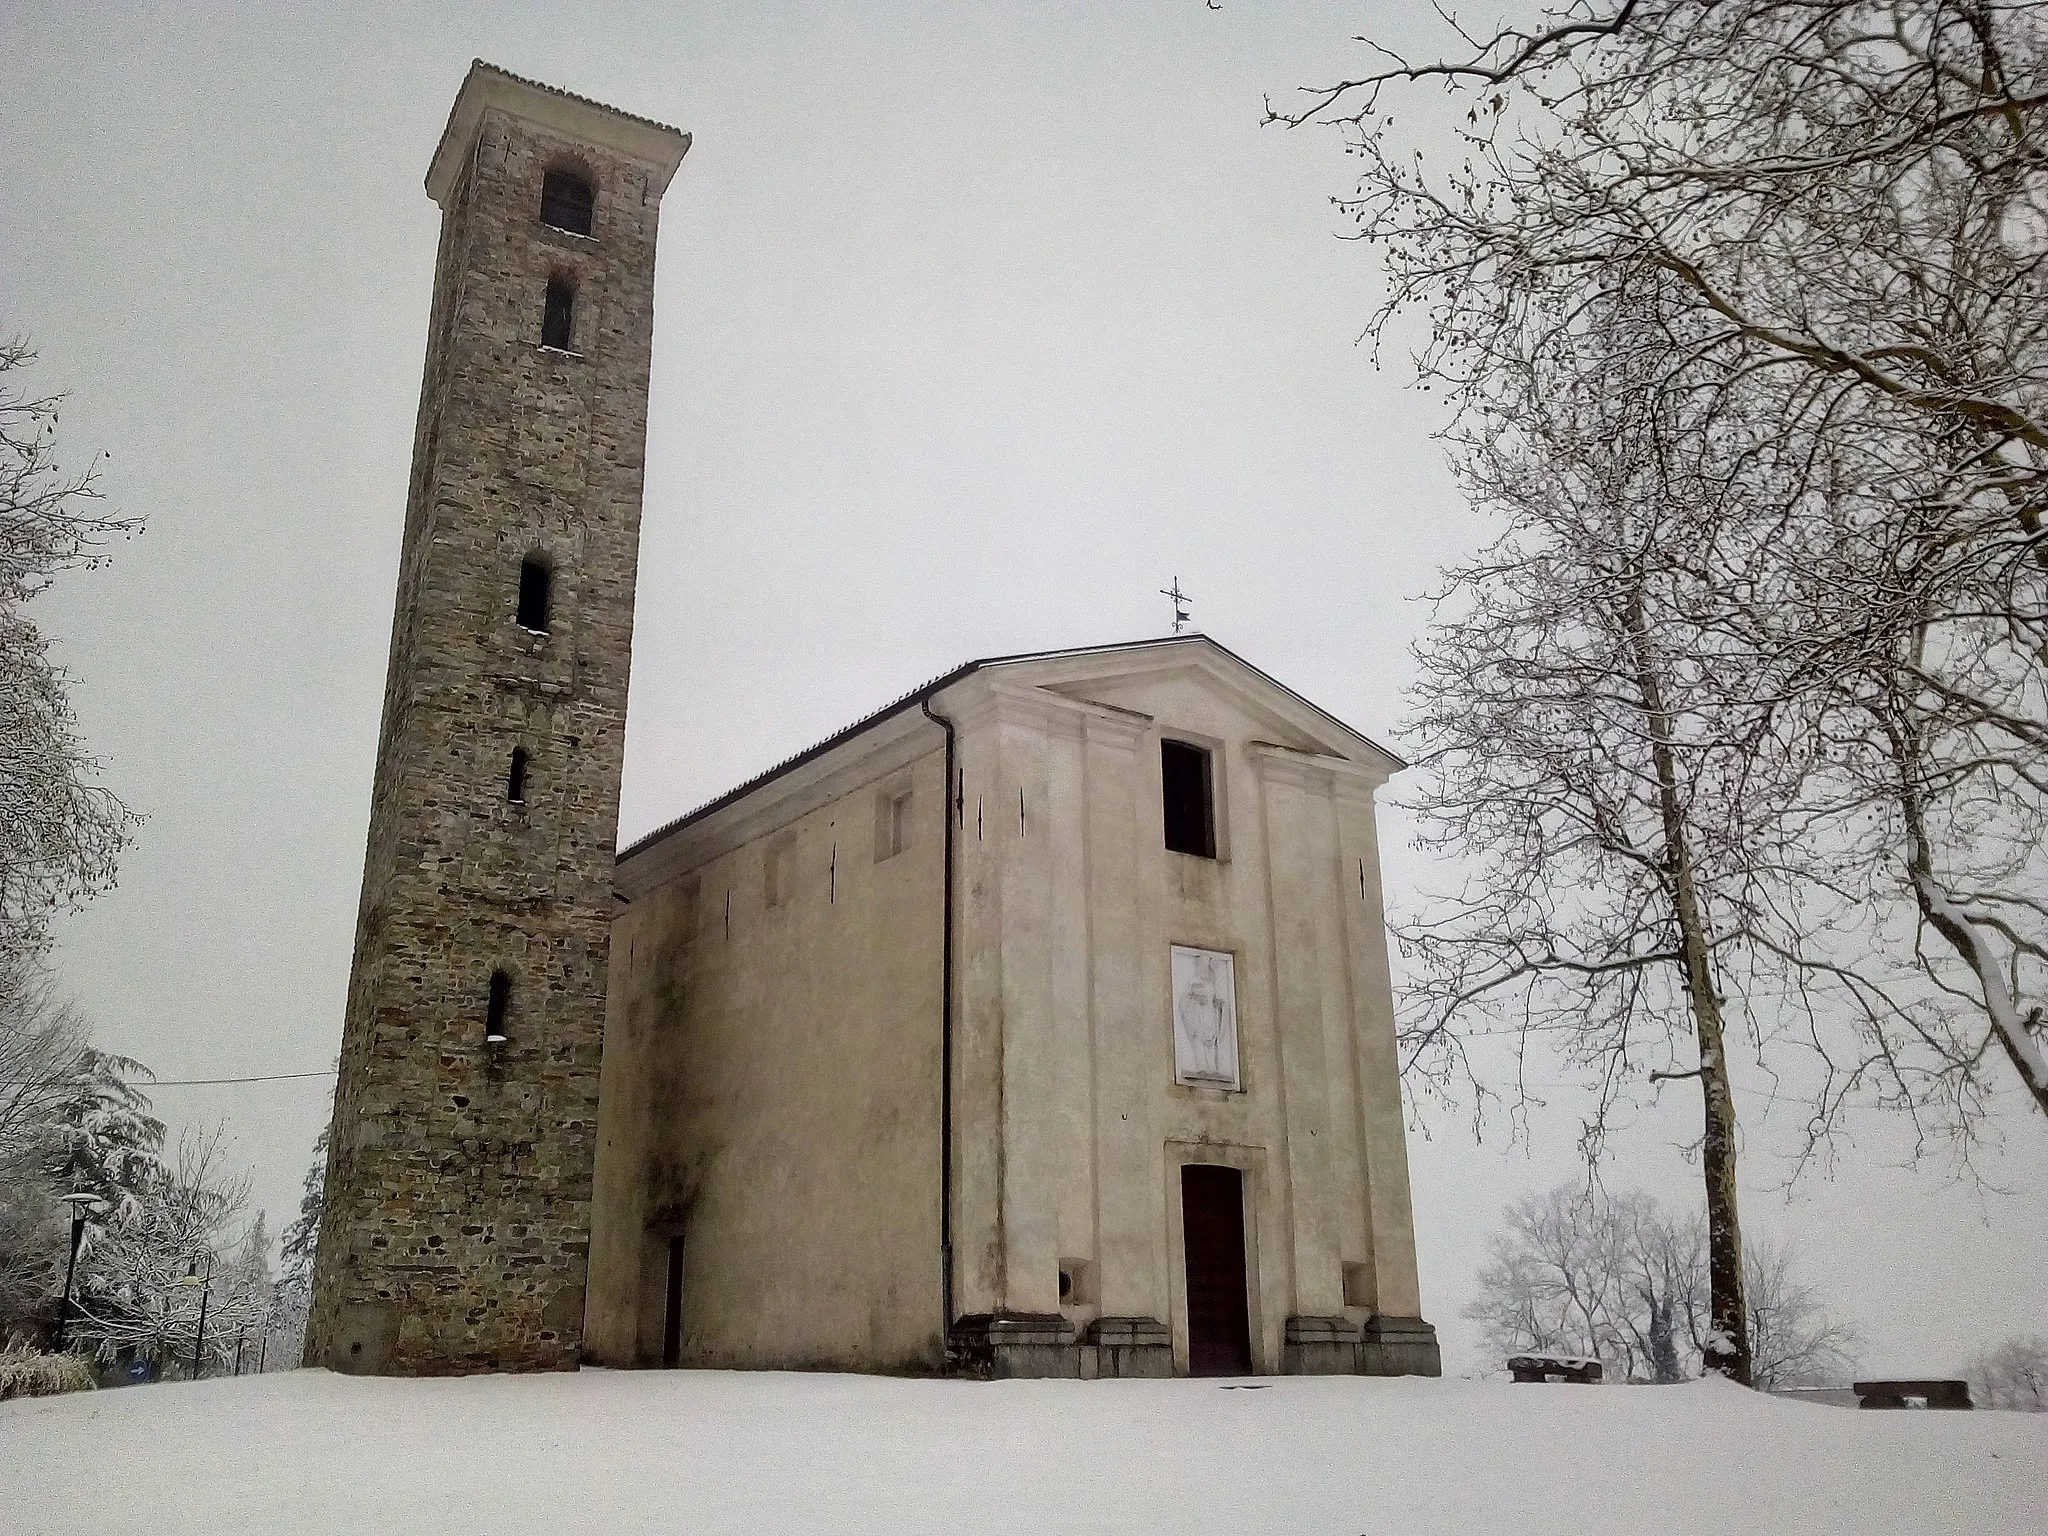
{"type": "Point", "coordinates": [1726, 1349]}
{"type": "Point", "coordinates": [1663, 1349]}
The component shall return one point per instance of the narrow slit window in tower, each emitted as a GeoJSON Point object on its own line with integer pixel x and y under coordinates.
{"type": "Point", "coordinates": [1185, 789]}
{"type": "Point", "coordinates": [534, 581]}
{"type": "Point", "coordinates": [558, 318]}
{"type": "Point", "coordinates": [565, 202]}
{"type": "Point", "coordinates": [515, 782]}
{"type": "Point", "coordinates": [672, 1312]}
{"type": "Point", "coordinates": [501, 1004]}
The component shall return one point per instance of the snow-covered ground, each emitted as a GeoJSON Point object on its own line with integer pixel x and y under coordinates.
{"type": "Point", "coordinates": [711, 1452]}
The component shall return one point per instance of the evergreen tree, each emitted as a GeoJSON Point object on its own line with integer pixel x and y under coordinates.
{"type": "Point", "coordinates": [302, 1237]}
{"type": "Point", "coordinates": [108, 1143]}
{"type": "Point", "coordinates": [294, 1294]}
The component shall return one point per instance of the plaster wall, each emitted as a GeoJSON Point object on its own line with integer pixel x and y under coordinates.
{"type": "Point", "coordinates": [1072, 1128]}
{"type": "Point", "coordinates": [771, 1084]}
{"type": "Point", "coordinates": [771, 1070]}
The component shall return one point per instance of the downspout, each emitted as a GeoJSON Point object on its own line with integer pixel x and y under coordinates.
{"type": "Point", "coordinates": [946, 1046]}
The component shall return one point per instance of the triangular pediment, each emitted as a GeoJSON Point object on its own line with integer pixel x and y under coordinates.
{"type": "Point", "coordinates": [1126, 677]}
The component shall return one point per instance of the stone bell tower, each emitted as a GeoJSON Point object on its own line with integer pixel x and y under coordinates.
{"type": "Point", "coordinates": [457, 1222]}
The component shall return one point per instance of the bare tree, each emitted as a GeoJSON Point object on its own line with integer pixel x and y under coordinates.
{"type": "Point", "coordinates": [2013, 1375]}
{"type": "Point", "coordinates": [1612, 1277]}
{"type": "Point", "coordinates": [60, 831]}
{"type": "Point", "coordinates": [244, 1298]}
{"type": "Point", "coordinates": [39, 1040]}
{"type": "Point", "coordinates": [1605, 753]}
{"type": "Point", "coordinates": [131, 1297]}
{"type": "Point", "coordinates": [1841, 207]}
{"type": "Point", "coordinates": [32, 1238]}
{"type": "Point", "coordinates": [1849, 189]}
{"type": "Point", "coordinates": [1576, 1272]}
{"type": "Point", "coordinates": [1795, 1341]}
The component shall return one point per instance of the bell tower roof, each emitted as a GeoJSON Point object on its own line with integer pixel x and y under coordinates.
{"type": "Point", "coordinates": [657, 145]}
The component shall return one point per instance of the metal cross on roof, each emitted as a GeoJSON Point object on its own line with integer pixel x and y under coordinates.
{"type": "Point", "coordinates": [1180, 603]}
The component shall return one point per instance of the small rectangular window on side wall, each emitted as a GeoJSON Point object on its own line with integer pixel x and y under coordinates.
{"type": "Point", "coordinates": [892, 822]}
{"type": "Point", "coordinates": [778, 874]}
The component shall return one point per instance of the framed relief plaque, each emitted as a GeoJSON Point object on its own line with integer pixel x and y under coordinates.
{"type": "Point", "coordinates": [1204, 1018]}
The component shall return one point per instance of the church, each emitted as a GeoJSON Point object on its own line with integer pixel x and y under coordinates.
{"type": "Point", "coordinates": [1037, 1024]}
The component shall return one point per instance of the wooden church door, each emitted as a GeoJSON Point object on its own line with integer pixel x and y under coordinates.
{"type": "Point", "coordinates": [1212, 1237]}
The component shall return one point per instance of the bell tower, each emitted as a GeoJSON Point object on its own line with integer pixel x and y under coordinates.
{"type": "Point", "coordinates": [457, 1222]}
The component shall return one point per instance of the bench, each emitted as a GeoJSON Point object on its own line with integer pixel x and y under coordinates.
{"type": "Point", "coordinates": [1554, 1368]}
{"type": "Point", "coordinates": [1902, 1394]}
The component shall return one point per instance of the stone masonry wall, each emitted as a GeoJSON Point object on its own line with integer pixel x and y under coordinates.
{"type": "Point", "coordinates": [459, 1181]}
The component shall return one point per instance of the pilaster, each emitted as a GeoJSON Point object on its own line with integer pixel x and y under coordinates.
{"type": "Point", "coordinates": [1391, 1223]}
{"type": "Point", "coordinates": [1130, 1054]}
{"type": "Point", "coordinates": [1290, 785]}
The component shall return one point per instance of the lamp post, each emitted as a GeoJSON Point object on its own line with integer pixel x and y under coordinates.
{"type": "Point", "coordinates": [192, 1277]}
{"type": "Point", "coordinates": [81, 1203]}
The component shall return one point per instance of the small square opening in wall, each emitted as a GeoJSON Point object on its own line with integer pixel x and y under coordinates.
{"type": "Point", "coordinates": [1187, 795]}
{"type": "Point", "coordinates": [778, 871]}
{"type": "Point", "coordinates": [892, 823]}
{"type": "Point", "coordinates": [1358, 1286]}
{"type": "Point", "coordinates": [1077, 1282]}
{"type": "Point", "coordinates": [689, 908]}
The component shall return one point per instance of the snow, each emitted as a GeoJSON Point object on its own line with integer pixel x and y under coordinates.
{"type": "Point", "coordinates": [704, 1452]}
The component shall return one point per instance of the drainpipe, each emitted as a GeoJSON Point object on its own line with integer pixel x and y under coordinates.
{"type": "Point", "coordinates": [946, 1046]}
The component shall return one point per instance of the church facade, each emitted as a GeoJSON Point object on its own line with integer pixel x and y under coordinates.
{"type": "Point", "coordinates": [1038, 1024]}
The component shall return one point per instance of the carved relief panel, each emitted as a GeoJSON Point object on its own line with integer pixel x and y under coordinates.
{"type": "Point", "coordinates": [1204, 1018]}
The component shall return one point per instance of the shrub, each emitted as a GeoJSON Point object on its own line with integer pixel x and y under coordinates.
{"type": "Point", "coordinates": [32, 1373]}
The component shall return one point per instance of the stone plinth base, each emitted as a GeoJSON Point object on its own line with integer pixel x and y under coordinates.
{"type": "Point", "coordinates": [1130, 1346]}
{"type": "Point", "coordinates": [1004, 1345]}
{"type": "Point", "coordinates": [1320, 1346]}
{"type": "Point", "coordinates": [1398, 1346]}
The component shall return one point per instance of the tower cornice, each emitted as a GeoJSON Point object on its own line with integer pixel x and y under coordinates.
{"type": "Point", "coordinates": [656, 145]}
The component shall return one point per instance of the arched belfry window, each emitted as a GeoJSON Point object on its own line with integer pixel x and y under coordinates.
{"type": "Point", "coordinates": [566, 202]}
{"type": "Point", "coordinates": [500, 1007]}
{"type": "Point", "coordinates": [558, 315]}
{"type": "Point", "coordinates": [534, 581]}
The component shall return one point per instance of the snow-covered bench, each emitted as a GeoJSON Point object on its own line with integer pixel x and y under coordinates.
{"type": "Point", "coordinates": [1900, 1394]}
{"type": "Point", "coordinates": [1553, 1368]}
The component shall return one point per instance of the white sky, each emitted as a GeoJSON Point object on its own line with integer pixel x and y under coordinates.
{"type": "Point", "coordinates": [977, 323]}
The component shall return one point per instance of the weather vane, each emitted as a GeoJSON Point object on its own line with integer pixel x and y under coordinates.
{"type": "Point", "coordinates": [1180, 603]}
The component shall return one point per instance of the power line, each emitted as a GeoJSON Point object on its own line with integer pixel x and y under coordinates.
{"type": "Point", "coordinates": [216, 1082]}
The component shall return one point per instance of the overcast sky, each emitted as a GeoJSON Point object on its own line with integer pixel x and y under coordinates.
{"type": "Point", "coordinates": [976, 325]}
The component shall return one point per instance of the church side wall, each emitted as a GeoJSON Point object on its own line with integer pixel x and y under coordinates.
{"type": "Point", "coordinates": [774, 1103]}
{"type": "Point", "coordinates": [643, 988]}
